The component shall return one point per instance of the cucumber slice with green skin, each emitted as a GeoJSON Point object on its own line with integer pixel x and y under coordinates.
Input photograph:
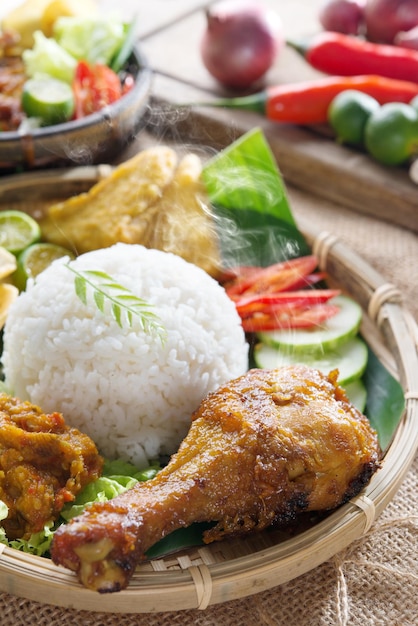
{"type": "Point", "coordinates": [350, 358]}
{"type": "Point", "coordinates": [49, 99]}
{"type": "Point", "coordinates": [331, 334]}
{"type": "Point", "coordinates": [357, 394]}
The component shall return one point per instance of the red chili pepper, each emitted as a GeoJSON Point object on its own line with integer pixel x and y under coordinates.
{"type": "Point", "coordinates": [277, 277]}
{"type": "Point", "coordinates": [283, 301]}
{"type": "Point", "coordinates": [344, 55]}
{"type": "Point", "coordinates": [307, 102]}
{"type": "Point", "coordinates": [94, 87]}
{"type": "Point", "coordinates": [303, 318]}
{"type": "Point", "coordinates": [272, 297]}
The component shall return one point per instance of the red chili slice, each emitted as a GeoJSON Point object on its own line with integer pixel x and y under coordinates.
{"type": "Point", "coordinates": [278, 277]}
{"type": "Point", "coordinates": [304, 318]}
{"type": "Point", "coordinates": [285, 300]}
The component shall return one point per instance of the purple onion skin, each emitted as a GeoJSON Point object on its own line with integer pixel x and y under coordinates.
{"type": "Point", "coordinates": [386, 18]}
{"type": "Point", "coordinates": [241, 42]}
{"type": "Point", "coordinates": [343, 16]}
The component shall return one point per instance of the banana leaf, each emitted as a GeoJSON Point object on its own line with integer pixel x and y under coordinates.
{"type": "Point", "coordinates": [254, 220]}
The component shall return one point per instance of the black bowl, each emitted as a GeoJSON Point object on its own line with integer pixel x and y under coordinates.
{"type": "Point", "coordinates": [97, 138]}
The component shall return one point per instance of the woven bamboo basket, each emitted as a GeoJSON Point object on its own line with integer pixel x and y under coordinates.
{"type": "Point", "coordinates": [228, 570]}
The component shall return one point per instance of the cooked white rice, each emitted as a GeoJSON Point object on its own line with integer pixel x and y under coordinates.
{"type": "Point", "coordinates": [130, 391]}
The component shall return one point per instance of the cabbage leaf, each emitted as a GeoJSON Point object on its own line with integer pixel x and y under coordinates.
{"type": "Point", "coordinates": [90, 39]}
{"type": "Point", "coordinates": [48, 58]}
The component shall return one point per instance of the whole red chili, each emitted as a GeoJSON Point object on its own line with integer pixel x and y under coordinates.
{"type": "Point", "coordinates": [307, 102]}
{"type": "Point", "coordinates": [335, 53]}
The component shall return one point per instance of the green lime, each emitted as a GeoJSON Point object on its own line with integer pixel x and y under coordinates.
{"type": "Point", "coordinates": [391, 133]}
{"type": "Point", "coordinates": [34, 259]}
{"type": "Point", "coordinates": [348, 114]}
{"type": "Point", "coordinates": [18, 230]}
{"type": "Point", "coordinates": [49, 99]}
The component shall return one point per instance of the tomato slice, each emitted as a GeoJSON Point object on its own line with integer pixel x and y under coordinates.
{"type": "Point", "coordinates": [94, 86]}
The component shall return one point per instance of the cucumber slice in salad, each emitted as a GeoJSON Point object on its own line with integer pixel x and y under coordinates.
{"type": "Point", "coordinates": [350, 359]}
{"type": "Point", "coordinates": [332, 333]}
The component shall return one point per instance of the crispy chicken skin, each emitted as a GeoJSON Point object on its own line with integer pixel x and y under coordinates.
{"type": "Point", "coordinates": [43, 464]}
{"type": "Point", "coordinates": [261, 449]}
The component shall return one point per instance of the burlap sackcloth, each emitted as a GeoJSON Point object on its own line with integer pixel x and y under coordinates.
{"type": "Point", "coordinates": [372, 583]}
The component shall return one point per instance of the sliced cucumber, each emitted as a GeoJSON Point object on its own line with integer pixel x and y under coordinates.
{"type": "Point", "coordinates": [350, 358]}
{"type": "Point", "coordinates": [332, 333]}
{"type": "Point", "coordinates": [357, 394]}
{"type": "Point", "coordinates": [49, 99]}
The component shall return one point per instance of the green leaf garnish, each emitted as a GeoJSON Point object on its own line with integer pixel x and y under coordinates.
{"type": "Point", "coordinates": [124, 305]}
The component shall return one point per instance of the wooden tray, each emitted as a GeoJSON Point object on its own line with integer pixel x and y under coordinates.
{"type": "Point", "coordinates": [229, 570]}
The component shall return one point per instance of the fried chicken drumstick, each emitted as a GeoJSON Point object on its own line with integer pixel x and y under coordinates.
{"type": "Point", "coordinates": [261, 449]}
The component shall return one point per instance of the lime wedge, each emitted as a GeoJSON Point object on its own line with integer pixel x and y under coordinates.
{"type": "Point", "coordinates": [49, 99]}
{"type": "Point", "coordinates": [7, 263]}
{"type": "Point", "coordinates": [34, 259]}
{"type": "Point", "coordinates": [18, 230]}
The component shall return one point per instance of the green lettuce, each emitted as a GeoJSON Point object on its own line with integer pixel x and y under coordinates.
{"type": "Point", "coordinates": [118, 476]}
{"type": "Point", "coordinates": [92, 40]}
{"type": "Point", "coordinates": [48, 58]}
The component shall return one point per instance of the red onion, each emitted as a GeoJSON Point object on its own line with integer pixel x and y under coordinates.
{"type": "Point", "coordinates": [240, 42]}
{"type": "Point", "coordinates": [407, 38]}
{"type": "Point", "coordinates": [342, 16]}
{"type": "Point", "coordinates": [385, 18]}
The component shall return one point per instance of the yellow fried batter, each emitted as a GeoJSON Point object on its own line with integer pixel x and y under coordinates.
{"type": "Point", "coordinates": [152, 200]}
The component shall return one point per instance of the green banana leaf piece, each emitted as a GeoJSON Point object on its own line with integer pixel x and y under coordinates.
{"type": "Point", "coordinates": [252, 212]}
{"type": "Point", "coordinates": [385, 400]}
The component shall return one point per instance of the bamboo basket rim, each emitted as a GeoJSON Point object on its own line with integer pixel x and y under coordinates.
{"type": "Point", "coordinates": [212, 574]}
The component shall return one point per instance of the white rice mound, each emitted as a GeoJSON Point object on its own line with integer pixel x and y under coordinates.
{"type": "Point", "coordinates": [131, 392]}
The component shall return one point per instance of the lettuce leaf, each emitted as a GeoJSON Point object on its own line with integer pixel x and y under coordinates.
{"type": "Point", "coordinates": [91, 39]}
{"type": "Point", "coordinates": [48, 58]}
{"type": "Point", "coordinates": [118, 476]}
